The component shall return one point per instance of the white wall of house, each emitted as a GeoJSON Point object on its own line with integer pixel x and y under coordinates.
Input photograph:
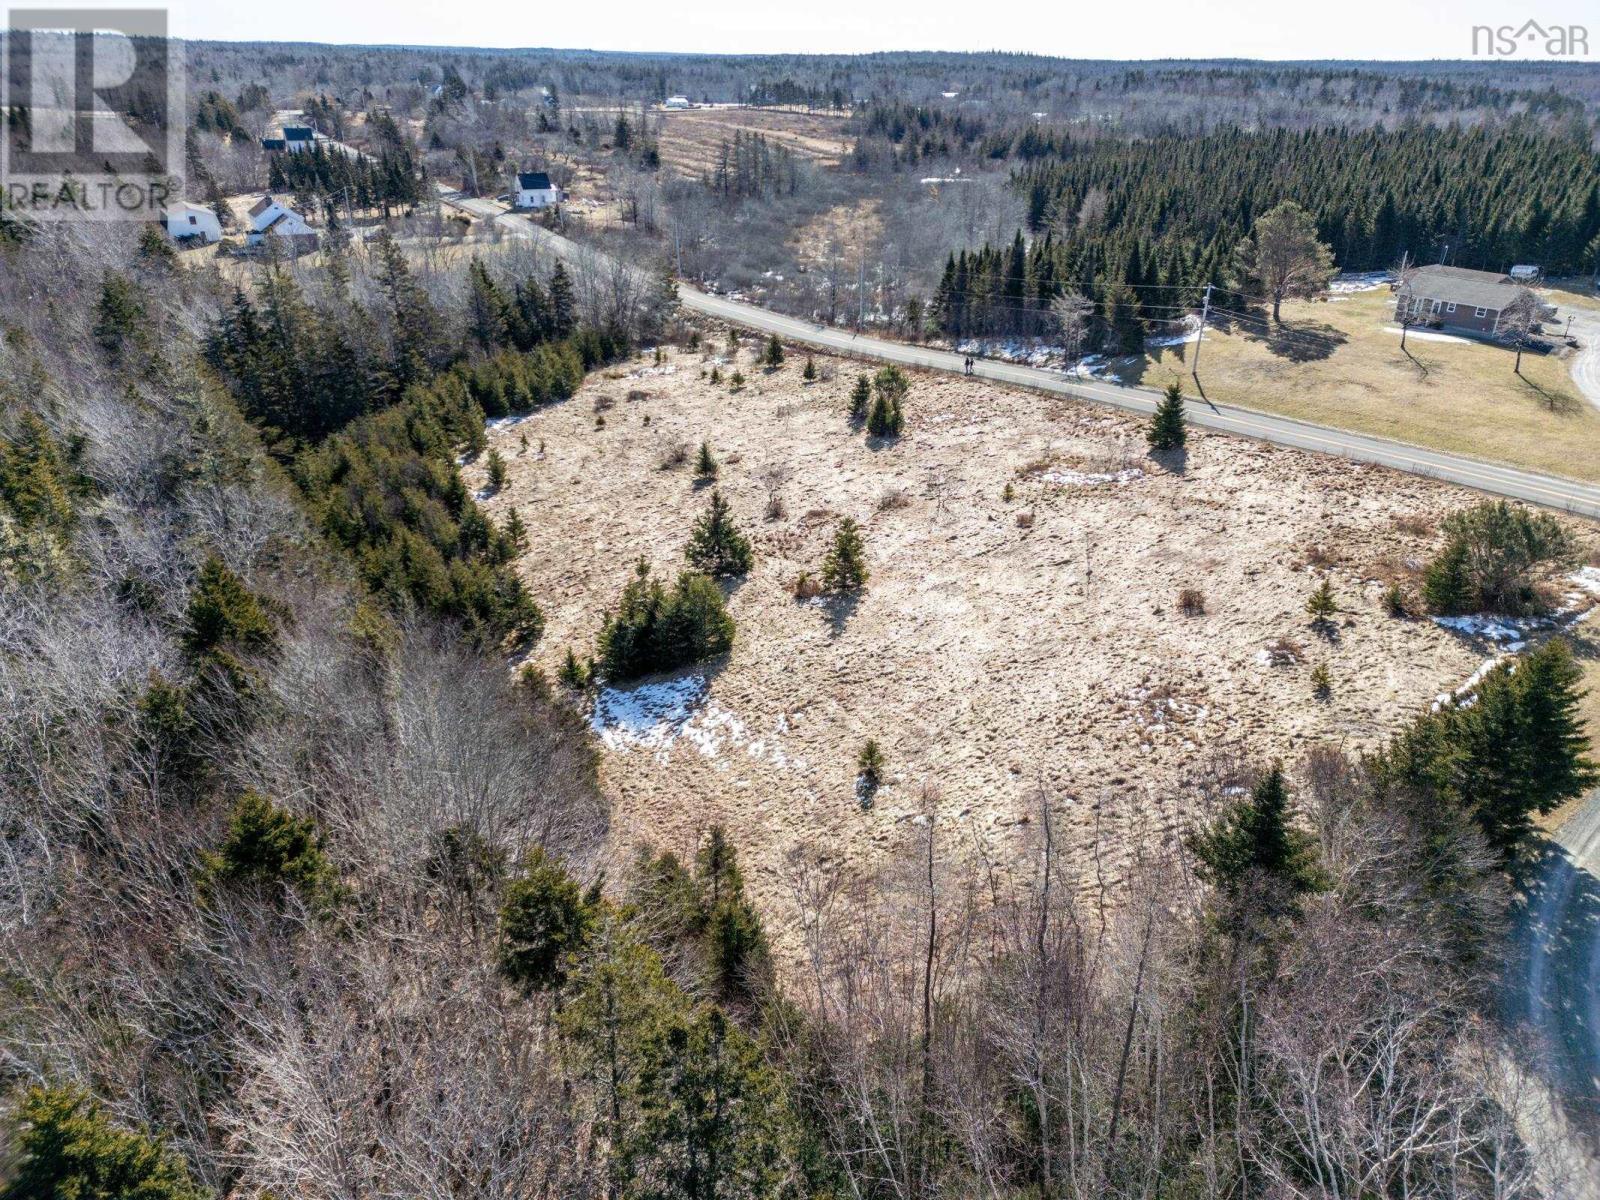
{"type": "Point", "coordinates": [193, 222]}
{"type": "Point", "coordinates": [538, 197]}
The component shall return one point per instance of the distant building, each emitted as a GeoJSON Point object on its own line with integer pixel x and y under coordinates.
{"type": "Point", "coordinates": [678, 102]}
{"type": "Point", "coordinates": [273, 218]}
{"type": "Point", "coordinates": [1526, 273]}
{"type": "Point", "coordinates": [273, 144]}
{"type": "Point", "coordinates": [1457, 299]}
{"type": "Point", "coordinates": [188, 222]}
{"type": "Point", "coordinates": [535, 191]}
{"type": "Point", "coordinates": [299, 137]}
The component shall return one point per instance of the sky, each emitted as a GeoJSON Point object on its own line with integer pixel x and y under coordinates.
{"type": "Point", "coordinates": [1121, 29]}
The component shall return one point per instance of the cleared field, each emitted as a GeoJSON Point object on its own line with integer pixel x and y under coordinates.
{"type": "Point", "coordinates": [690, 138]}
{"type": "Point", "coordinates": [1337, 363]}
{"type": "Point", "coordinates": [1005, 653]}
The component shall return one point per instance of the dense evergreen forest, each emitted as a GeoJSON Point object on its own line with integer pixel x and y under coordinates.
{"type": "Point", "coordinates": [1140, 226]}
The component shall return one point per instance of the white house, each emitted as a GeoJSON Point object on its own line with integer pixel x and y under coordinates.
{"type": "Point", "coordinates": [194, 223]}
{"type": "Point", "coordinates": [534, 190]}
{"type": "Point", "coordinates": [677, 102]}
{"type": "Point", "coordinates": [269, 217]}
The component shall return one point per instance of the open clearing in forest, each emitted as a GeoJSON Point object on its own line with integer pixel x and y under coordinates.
{"type": "Point", "coordinates": [1003, 651]}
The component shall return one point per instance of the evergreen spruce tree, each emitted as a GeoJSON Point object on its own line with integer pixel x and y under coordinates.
{"type": "Point", "coordinates": [715, 546]}
{"type": "Point", "coordinates": [544, 924]}
{"type": "Point", "coordinates": [809, 371]}
{"type": "Point", "coordinates": [845, 567]}
{"type": "Point", "coordinates": [1255, 858]}
{"type": "Point", "coordinates": [705, 466]}
{"type": "Point", "coordinates": [772, 358]}
{"type": "Point", "coordinates": [563, 304]}
{"type": "Point", "coordinates": [860, 398]}
{"type": "Point", "coordinates": [1167, 432]}
{"type": "Point", "coordinates": [496, 471]}
{"type": "Point", "coordinates": [1322, 606]}
{"type": "Point", "coordinates": [64, 1145]}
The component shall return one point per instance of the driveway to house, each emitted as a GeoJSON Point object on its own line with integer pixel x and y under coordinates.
{"type": "Point", "coordinates": [1550, 491]}
{"type": "Point", "coordinates": [1585, 367]}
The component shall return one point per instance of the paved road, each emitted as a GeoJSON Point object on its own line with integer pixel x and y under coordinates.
{"type": "Point", "coordinates": [1548, 490]}
{"type": "Point", "coordinates": [1552, 990]}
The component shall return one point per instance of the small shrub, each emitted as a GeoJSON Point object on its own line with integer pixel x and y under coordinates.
{"type": "Point", "coordinates": [62, 1144]}
{"type": "Point", "coordinates": [1488, 562]}
{"type": "Point", "coordinates": [1008, 493]}
{"type": "Point", "coordinates": [806, 586]}
{"type": "Point", "coordinates": [676, 455]}
{"type": "Point", "coordinates": [576, 673]}
{"type": "Point", "coordinates": [893, 498]}
{"type": "Point", "coordinates": [775, 509]}
{"type": "Point", "coordinates": [1025, 519]}
{"type": "Point", "coordinates": [1192, 602]}
{"type": "Point", "coordinates": [600, 422]}
{"type": "Point", "coordinates": [772, 357]}
{"type": "Point", "coordinates": [716, 375]}
{"type": "Point", "coordinates": [1284, 652]}
{"type": "Point", "coordinates": [497, 471]}
{"type": "Point", "coordinates": [736, 382]}
{"type": "Point", "coordinates": [605, 403]}
{"type": "Point", "coordinates": [886, 418]}
{"type": "Point", "coordinates": [1394, 601]}
{"type": "Point", "coordinates": [809, 371]}
{"type": "Point", "coordinates": [694, 339]}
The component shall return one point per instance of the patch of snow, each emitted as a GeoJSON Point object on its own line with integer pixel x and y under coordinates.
{"type": "Point", "coordinates": [654, 716]}
{"type": "Point", "coordinates": [1588, 579]}
{"type": "Point", "coordinates": [1430, 335]}
{"type": "Point", "coordinates": [494, 423]}
{"type": "Point", "coordinates": [1360, 281]}
{"type": "Point", "coordinates": [651, 716]}
{"type": "Point", "coordinates": [1494, 629]}
{"type": "Point", "coordinates": [1069, 478]}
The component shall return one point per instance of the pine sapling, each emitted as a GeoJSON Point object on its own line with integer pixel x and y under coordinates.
{"type": "Point", "coordinates": [705, 466]}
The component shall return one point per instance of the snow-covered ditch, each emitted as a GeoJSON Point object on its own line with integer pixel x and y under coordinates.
{"type": "Point", "coordinates": [1513, 633]}
{"type": "Point", "coordinates": [1360, 281]}
{"type": "Point", "coordinates": [654, 716]}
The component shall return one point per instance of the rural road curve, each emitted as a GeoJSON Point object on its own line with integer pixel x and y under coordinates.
{"type": "Point", "coordinates": [1552, 491]}
{"type": "Point", "coordinates": [1585, 368]}
{"type": "Point", "coordinates": [1552, 989]}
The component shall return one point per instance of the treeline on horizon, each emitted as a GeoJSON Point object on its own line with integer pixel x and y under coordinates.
{"type": "Point", "coordinates": [1146, 224]}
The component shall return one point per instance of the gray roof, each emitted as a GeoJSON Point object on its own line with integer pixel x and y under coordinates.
{"type": "Point", "coordinates": [1458, 285]}
{"type": "Point", "coordinates": [533, 181]}
{"type": "Point", "coordinates": [298, 133]}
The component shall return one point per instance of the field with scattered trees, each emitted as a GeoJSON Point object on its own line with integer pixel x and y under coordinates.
{"type": "Point", "coordinates": [468, 731]}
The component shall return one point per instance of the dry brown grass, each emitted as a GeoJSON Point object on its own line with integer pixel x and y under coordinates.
{"type": "Point", "coordinates": [1458, 396]}
{"type": "Point", "coordinates": [991, 661]}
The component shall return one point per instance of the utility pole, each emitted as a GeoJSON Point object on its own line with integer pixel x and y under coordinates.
{"type": "Point", "coordinates": [861, 287]}
{"type": "Point", "coordinates": [1205, 311]}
